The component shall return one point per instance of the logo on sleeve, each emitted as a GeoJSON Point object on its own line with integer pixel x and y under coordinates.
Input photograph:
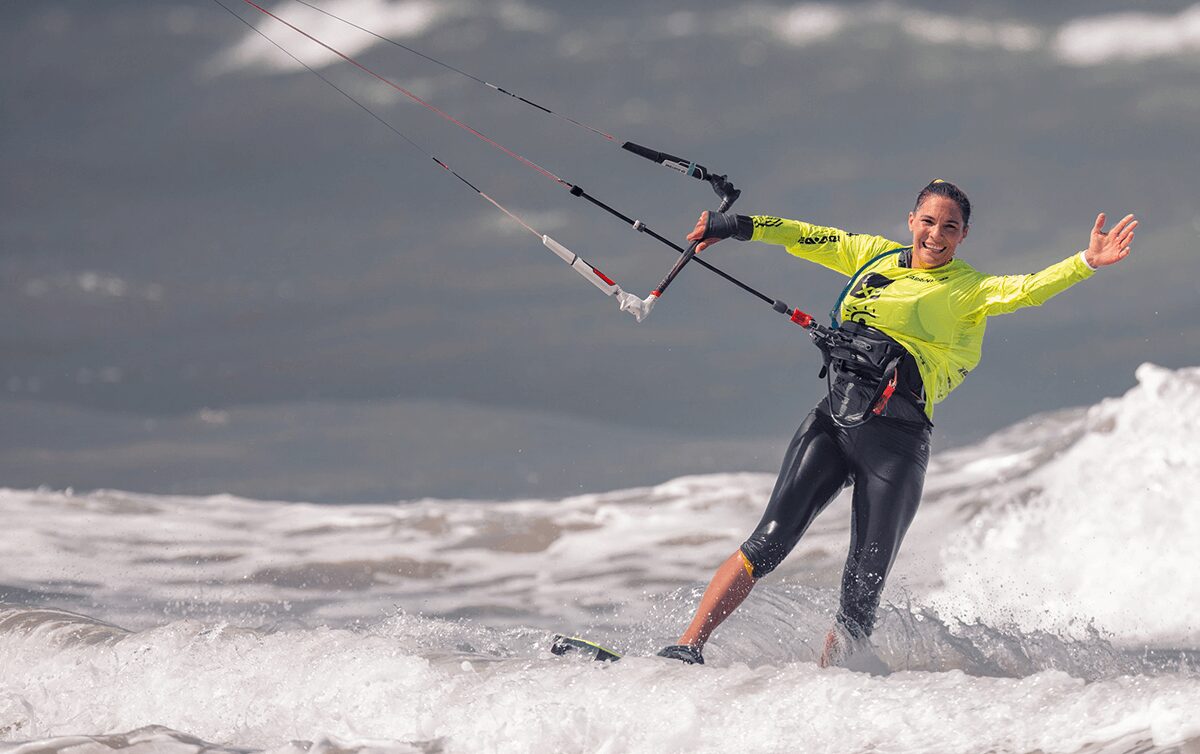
{"type": "Point", "coordinates": [818, 240]}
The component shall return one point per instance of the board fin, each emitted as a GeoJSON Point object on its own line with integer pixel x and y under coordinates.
{"type": "Point", "coordinates": [567, 644]}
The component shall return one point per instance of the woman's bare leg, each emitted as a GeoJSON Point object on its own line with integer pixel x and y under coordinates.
{"type": "Point", "coordinates": [729, 586]}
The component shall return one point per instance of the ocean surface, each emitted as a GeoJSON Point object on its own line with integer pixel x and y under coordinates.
{"type": "Point", "coordinates": [1047, 599]}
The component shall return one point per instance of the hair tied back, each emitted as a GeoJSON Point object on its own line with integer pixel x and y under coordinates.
{"type": "Point", "coordinates": [940, 187]}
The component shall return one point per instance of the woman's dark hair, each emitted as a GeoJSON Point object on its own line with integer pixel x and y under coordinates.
{"type": "Point", "coordinates": [950, 191]}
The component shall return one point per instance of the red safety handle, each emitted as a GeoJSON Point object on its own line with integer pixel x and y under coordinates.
{"type": "Point", "coordinates": [800, 318]}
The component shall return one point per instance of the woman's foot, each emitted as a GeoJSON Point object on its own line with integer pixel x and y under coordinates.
{"type": "Point", "coordinates": [844, 650]}
{"type": "Point", "coordinates": [836, 648]}
{"type": "Point", "coordinates": [684, 653]}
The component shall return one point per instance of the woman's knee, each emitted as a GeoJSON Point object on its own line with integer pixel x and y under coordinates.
{"type": "Point", "coordinates": [762, 553]}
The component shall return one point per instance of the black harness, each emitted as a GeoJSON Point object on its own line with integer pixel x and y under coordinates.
{"type": "Point", "coordinates": [864, 368]}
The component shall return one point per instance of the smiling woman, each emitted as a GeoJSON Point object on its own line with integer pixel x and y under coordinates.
{"type": "Point", "coordinates": [913, 320]}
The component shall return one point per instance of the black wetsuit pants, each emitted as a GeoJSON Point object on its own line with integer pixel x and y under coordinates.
{"type": "Point", "coordinates": [885, 460]}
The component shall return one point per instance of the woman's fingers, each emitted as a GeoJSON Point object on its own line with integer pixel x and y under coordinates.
{"type": "Point", "coordinates": [1121, 226]}
{"type": "Point", "coordinates": [1113, 246]}
{"type": "Point", "coordinates": [1121, 236]}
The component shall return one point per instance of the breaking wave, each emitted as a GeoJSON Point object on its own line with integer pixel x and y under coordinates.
{"type": "Point", "coordinates": [1045, 600]}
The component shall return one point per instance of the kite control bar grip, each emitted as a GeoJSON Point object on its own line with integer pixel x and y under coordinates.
{"type": "Point", "coordinates": [679, 263]}
{"type": "Point", "coordinates": [726, 201]}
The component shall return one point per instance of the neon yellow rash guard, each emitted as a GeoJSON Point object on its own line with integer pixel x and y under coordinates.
{"type": "Point", "coordinates": [939, 315]}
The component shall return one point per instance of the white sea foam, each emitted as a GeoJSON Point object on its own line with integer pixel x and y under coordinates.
{"type": "Point", "coordinates": [1043, 562]}
{"type": "Point", "coordinates": [1128, 36]}
{"type": "Point", "coordinates": [387, 18]}
{"type": "Point", "coordinates": [1104, 533]}
{"type": "Point", "coordinates": [1123, 37]}
{"type": "Point", "coordinates": [807, 23]}
{"type": "Point", "coordinates": [402, 19]}
{"type": "Point", "coordinates": [384, 689]}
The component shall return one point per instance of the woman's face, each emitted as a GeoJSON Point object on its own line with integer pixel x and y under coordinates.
{"type": "Point", "coordinates": [938, 228]}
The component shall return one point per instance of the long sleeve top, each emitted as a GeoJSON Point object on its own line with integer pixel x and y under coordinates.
{"type": "Point", "coordinates": [938, 315]}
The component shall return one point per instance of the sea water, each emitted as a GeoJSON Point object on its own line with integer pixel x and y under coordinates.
{"type": "Point", "coordinates": [1046, 600]}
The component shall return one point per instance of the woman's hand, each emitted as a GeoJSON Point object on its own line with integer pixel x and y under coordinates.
{"type": "Point", "coordinates": [713, 226]}
{"type": "Point", "coordinates": [697, 233]}
{"type": "Point", "coordinates": [1111, 247]}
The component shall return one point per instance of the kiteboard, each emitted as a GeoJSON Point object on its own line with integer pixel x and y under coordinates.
{"type": "Point", "coordinates": [573, 645]}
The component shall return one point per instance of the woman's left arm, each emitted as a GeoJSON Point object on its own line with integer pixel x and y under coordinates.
{"type": "Point", "coordinates": [1001, 294]}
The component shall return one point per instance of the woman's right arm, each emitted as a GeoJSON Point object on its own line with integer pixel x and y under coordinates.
{"type": "Point", "coordinates": [830, 247]}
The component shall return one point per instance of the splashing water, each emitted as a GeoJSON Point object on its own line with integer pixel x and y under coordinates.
{"type": "Point", "coordinates": [1045, 600]}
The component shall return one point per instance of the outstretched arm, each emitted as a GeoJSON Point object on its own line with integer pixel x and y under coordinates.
{"type": "Point", "coordinates": [830, 247]}
{"type": "Point", "coordinates": [1111, 247]}
{"type": "Point", "coordinates": [1000, 294]}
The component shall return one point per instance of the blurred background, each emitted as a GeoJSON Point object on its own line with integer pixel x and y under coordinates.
{"type": "Point", "coordinates": [221, 276]}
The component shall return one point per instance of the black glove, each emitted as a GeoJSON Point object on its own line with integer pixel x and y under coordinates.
{"type": "Point", "coordinates": [729, 225]}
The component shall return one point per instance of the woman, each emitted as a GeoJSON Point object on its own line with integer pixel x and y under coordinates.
{"type": "Point", "coordinates": [913, 320]}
